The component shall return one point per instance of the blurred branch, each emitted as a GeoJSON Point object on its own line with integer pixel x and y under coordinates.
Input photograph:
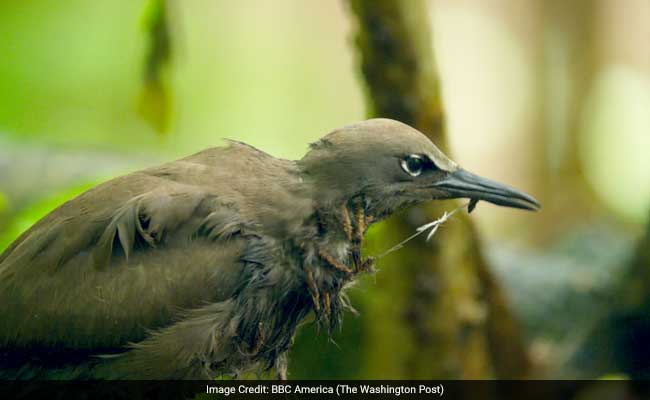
{"type": "Point", "coordinates": [572, 24]}
{"type": "Point", "coordinates": [397, 65]}
{"type": "Point", "coordinates": [155, 101]}
{"type": "Point", "coordinates": [568, 76]}
{"type": "Point", "coordinates": [441, 303]}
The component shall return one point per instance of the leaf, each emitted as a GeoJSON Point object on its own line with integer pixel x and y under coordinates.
{"type": "Point", "coordinates": [4, 203]}
{"type": "Point", "coordinates": [614, 377]}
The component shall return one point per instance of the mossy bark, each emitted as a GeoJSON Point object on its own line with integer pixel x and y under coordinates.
{"type": "Point", "coordinates": [436, 311]}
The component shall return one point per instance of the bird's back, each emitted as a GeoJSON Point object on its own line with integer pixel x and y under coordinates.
{"type": "Point", "coordinates": [134, 254]}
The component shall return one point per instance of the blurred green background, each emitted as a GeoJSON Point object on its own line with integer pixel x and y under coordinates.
{"type": "Point", "coordinates": [549, 97]}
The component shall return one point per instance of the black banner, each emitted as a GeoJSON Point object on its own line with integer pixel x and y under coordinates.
{"type": "Point", "coordinates": [229, 389]}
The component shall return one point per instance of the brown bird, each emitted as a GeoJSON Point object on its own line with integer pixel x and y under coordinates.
{"type": "Point", "coordinates": [205, 266]}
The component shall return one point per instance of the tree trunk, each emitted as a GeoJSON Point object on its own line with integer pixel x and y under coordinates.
{"type": "Point", "coordinates": [437, 302]}
{"type": "Point", "coordinates": [569, 25]}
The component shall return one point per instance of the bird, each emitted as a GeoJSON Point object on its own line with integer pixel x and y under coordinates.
{"type": "Point", "coordinates": [206, 266]}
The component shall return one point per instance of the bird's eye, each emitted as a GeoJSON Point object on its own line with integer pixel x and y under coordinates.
{"type": "Point", "coordinates": [413, 165]}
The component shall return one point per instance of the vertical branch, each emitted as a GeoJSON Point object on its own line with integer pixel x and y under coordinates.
{"type": "Point", "coordinates": [155, 103]}
{"type": "Point", "coordinates": [397, 65]}
{"type": "Point", "coordinates": [570, 33]}
{"type": "Point", "coordinates": [453, 321]}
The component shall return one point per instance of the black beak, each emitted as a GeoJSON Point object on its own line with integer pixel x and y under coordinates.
{"type": "Point", "coordinates": [461, 183]}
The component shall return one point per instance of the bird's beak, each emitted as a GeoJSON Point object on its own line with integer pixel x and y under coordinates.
{"type": "Point", "coordinates": [461, 183]}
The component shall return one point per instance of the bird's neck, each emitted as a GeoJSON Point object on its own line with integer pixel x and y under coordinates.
{"type": "Point", "coordinates": [332, 259]}
{"type": "Point", "coordinates": [346, 220]}
{"type": "Point", "coordinates": [340, 232]}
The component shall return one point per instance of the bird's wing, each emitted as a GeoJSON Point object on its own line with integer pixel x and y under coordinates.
{"type": "Point", "coordinates": [122, 259]}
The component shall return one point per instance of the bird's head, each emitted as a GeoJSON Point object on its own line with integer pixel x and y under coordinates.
{"type": "Point", "coordinates": [394, 166]}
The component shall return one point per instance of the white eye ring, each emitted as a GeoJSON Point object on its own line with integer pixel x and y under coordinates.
{"type": "Point", "coordinates": [412, 165]}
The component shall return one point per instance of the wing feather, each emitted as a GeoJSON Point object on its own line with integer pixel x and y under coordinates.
{"type": "Point", "coordinates": [148, 263]}
{"type": "Point", "coordinates": [102, 274]}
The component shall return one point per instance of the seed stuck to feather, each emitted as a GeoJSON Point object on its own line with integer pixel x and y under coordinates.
{"type": "Point", "coordinates": [432, 226]}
